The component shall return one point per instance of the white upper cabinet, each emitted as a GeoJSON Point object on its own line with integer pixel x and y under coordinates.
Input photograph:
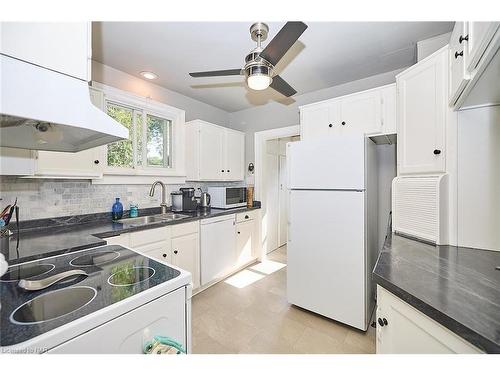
{"type": "Point", "coordinates": [369, 112]}
{"type": "Point", "coordinates": [61, 46]}
{"type": "Point", "coordinates": [479, 36]}
{"type": "Point", "coordinates": [362, 112]}
{"type": "Point", "coordinates": [459, 53]}
{"type": "Point", "coordinates": [214, 153]}
{"type": "Point", "coordinates": [319, 120]}
{"type": "Point", "coordinates": [422, 113]}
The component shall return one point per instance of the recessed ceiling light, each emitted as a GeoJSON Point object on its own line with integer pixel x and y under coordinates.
{"type": "Point", "coordinates": [149, 75]}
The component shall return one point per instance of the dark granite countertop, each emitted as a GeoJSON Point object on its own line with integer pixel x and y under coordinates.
{"type": "Point", "coordinates": [48, 237]}
{"type": "Point", "coordinates": [457, 287]}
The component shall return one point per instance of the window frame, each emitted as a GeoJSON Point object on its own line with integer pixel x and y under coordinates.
{"type": "Point", "coordinates": [146, 105]}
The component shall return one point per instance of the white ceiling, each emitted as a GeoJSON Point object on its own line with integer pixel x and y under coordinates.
{"type": "Point", "coordinates": [327, 54]}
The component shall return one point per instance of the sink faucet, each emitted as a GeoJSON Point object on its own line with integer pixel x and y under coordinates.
{"type": "Point", "coordinates": [163, 204]}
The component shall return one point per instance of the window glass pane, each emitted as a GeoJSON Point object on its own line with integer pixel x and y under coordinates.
{"type": "Point", "coordinates": [158, 141]}
{"type": "Point", "coordinates": [138, 137]}
{"type": "Point", "coordinates": [120, 154]}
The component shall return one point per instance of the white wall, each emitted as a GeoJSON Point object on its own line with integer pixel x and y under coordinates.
{"type": "Point", "coordinates": [427, 47]}
{"type": "Point", "coordinates": [194, 108]}
{"type": "Point", "coordinates": [276, 115]}
{"type": "Point", "coordinates": [478, 174]}
{"type": "Point", "coordinates": [387, 171]}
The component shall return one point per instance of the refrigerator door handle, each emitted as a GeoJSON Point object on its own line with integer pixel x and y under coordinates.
{"type": "Point", "coordinates": [288, 219]}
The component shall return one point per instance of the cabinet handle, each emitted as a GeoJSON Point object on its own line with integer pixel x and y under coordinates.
{"type": "Point", "coordinates": [330, 125]}
{"type": "Point", "coordinates": [462, 38]}
{"type": "Point", "coordinates": [437, 152]}
{"type": "Point", "coordinates": [164, 255]}
{"type": "Point", "coordinates": [343, 122]}
{"type": "Point", "coordinates": [382, 322]}
{"type": "Point", "coordinates": [96, 161]}
{"type": "Point", "coordinates": [459, 54]}
{"type": "Point", "coordinates": [175, 251]}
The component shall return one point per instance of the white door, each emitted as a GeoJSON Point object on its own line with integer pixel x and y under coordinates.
{"type": "Point", "coordinates": [458, 58]}
{"type": "Point", "coordinates": [185, 255]}
{"type": "Point", "coordinates": [270, 215]}
{"type": "Point", "coordinates": [283, 202]}
{"type": "Point", "coordinates": [422, 108]}
{"type": "Point", "coordinates": [244, 241]}
{"type": "Point", "coordinates": [234, 146]}
{"type": "Point", "coordinates": [361, 113]}
{"type": "Point", "coordinates": [218, 248]}
{"type": "Point", "coordinates": [211, 153]}
{"type": "Point", "coordinates": [334, 163]}
{"type": "Point", "coordinates": [159, 251]}
{"type": "Point", "coordinates": [326, 254]}
{"type": "Point", "coordinates": [480, 33]}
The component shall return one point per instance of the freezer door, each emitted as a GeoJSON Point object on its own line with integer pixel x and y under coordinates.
{"type": "Point", "coordinates": [326, 254]}
{"type": "Point", "coordinates": [335, 163]}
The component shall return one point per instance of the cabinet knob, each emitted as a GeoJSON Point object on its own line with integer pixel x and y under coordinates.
{"type": "Point", "coordinates": [239, 232]}
{"type": "Point", "coordinates": [384, 320]}
{"type": "Point", "coordinates": [222, 170]}
{"type": "Point", "coordinates": [462, 38]}
{"type": "Point", "coordinates": [175, 251]}
{"type": "Point", "coordinates": [343, 122]}
{"type": "Point", "coordinates": [380, 322]}
{"type": "Point", "coordinates": [228, 171]}
{"type": "Point", "coordinates": [437, 152]}
{"type": "Point", "coordinates": [164, 255]}
{"type": "Point", "coordinates": [247, 217]}
{"type": "Point", "coordinates": [459, 54]}
{"type": "Point", "coordinates": [330, 125]}
{"type": "Point", "coordinates": [96, 161]}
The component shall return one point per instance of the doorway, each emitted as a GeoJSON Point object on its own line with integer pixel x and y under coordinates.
{"type": "Point", "coordinates": [271, 185]}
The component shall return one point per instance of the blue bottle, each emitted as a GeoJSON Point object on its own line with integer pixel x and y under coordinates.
{"type": "Point", "coordinates": [117, 210]}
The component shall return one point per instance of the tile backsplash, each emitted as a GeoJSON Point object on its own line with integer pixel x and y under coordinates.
{"type": "Point", "coordinates": [44, 198]}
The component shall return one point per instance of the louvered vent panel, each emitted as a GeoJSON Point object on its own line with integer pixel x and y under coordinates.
{"type": "Point", "coordinates": [416, 207]}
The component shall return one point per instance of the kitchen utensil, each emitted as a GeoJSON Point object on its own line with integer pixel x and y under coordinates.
{"type": "Point", "coordinates": [204, 199]}
{"type": "Point", "coordinates": [5, 211]}
{"type": "Point", "coordinates": [176, 201]}
{"type": "Point", "coordinates": [48, 281]}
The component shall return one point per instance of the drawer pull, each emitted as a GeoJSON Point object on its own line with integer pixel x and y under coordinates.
{"type": "Point", "coordinates": [247, 217]}
{"type": "Point", "coordinates": [175, 251]}
{"type": "Point", "coordinates": [164, 255]}
{"type": "Point", "coordinates": [462, 38]}
{"type": "Point", "coordinates": [459, 54]}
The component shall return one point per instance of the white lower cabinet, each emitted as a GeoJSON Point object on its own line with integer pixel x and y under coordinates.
{"type": "Point", "coordinates": [185, 254]}
{"type": "Point", "coordinates": [406, 330]}
{"type": "Point", "coordinates": [246, 241]}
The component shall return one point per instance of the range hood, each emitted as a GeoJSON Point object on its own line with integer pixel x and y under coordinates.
{"type": "Point", "coordinates": [41, 109]}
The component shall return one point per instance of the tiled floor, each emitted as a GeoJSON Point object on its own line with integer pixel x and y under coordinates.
{"type": "Point", "coordinates": [257, 318]}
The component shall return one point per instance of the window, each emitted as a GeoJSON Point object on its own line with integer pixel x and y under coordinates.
{"type": "Point", "coordinates": [150, 139]}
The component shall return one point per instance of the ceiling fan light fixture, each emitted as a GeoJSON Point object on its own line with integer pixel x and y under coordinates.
{"type": "Point", "coordinates": [259, 82]}
{"type": "Point", "coordinates": [149, 75]}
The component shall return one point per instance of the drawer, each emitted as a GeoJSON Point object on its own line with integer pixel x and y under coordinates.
{"type": "Point", "coordinates": [148, 236]}
{"type": "Point", "coordinates": [245, 216]}
{"type": "Point", "coordinates": [184, 229]}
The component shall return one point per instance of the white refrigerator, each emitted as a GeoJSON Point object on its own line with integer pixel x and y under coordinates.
{"type": "Point", "coordinates": [332, 223]}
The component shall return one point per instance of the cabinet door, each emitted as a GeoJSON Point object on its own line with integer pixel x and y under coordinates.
{"type": "Point", "coordinates": [186, 255]}
{"type": "Point", "coordinates": [319, 120]}
{"type": "Point", "coordinates": [61, 46]}
{"type": "Point", "coordinates": [458, 60]}
{"type": "Point", "coordinates": [422, 106]}
{"type": "Point", "coordinates": [408, 331]}
{"type": "Point", "coordinates": [159, 251]}
{"type": "Point", "coordinates": [480, 34]}
{"type": "Point", "coordinates": [211, 153]}
{"type": "Point", "coordinates": [245, 241]}
{"type": "Point", "coordinates": [63, 164]}
{"type": "Point", "coordinates": [234, 155]}
{"type": "Point", "coordinates": [16, 162]}
{"type": "Point", "coordinates": [361, 113]}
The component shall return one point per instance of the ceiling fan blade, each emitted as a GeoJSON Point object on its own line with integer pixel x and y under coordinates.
{"type": "Point", "coordinates": [217, 73]}
{"type": "Point", "coordinates": [280, 85]}
{"type": "Point", "coordinates": [282, 42]}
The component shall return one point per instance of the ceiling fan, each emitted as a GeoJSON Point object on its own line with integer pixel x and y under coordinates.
{"type": "Point", "coordinates": [260, 62]}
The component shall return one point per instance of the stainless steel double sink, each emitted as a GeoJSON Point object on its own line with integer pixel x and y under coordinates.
{"type": "Point", "coordinates": [160, 218]}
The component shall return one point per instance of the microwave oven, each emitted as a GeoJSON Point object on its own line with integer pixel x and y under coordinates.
{"type": "Point", "coordinates": [227, 196]}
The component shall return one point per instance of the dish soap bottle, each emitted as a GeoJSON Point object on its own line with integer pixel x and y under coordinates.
{"type": "Point", "coordinates": [117, 210]}
{"type": "Point", "coordinates": [134, 210]}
